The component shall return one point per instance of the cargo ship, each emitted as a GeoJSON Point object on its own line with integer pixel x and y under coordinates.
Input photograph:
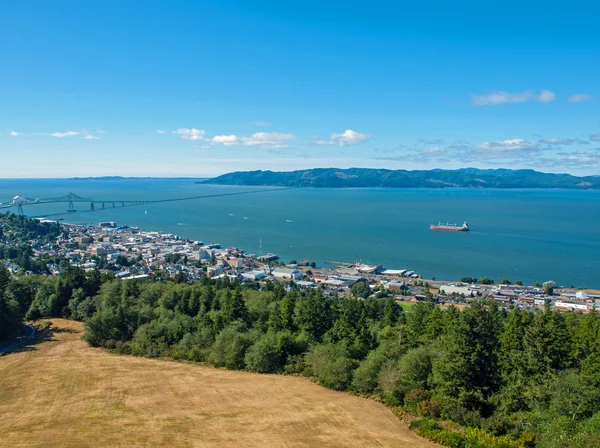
{"type": "Point", "coordinates": [453, 227]}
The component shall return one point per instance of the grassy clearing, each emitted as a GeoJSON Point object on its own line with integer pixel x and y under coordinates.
{"type": "Point", "coordinates": [61, 392]}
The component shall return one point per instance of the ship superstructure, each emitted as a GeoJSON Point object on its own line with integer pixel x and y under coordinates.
{"type": "Point", "coordinates": [452, 227]}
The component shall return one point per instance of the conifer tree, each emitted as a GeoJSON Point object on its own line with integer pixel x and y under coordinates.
{"type": "Point", "coordinates": [233, 307]}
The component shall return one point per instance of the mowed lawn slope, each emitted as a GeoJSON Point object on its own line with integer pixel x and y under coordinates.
{"type": "Point", "coordinates": [64, 393]}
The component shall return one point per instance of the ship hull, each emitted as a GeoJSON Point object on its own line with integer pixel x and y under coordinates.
{"type": "Point", "coordinates": [450, 229]}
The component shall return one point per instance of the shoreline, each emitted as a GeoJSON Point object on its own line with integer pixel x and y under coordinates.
{"type": "Point", "coordinates": [327, 266]}
{"type": "Point", "coordinates": [149, 253]}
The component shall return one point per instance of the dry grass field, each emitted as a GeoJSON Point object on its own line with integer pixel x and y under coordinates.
{"type": "Point", "coordinates": [61, 392]}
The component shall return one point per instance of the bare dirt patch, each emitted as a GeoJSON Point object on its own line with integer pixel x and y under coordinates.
{"type": "Point", "coordinates": [61, 392]}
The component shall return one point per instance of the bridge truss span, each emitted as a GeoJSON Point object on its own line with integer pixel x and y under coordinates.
{"type": "Point", "coordinates": [94, 204]}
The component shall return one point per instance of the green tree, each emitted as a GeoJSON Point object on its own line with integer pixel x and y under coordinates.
{"type": "Point", "coordinates": [366, 376]}
{"type": "Point", "coordinates": [287, 310]}
{"type": "Point", "coordinates": [586, 336]}
{"type": "Point", "coordinates": [548, 288]}
{"type": "Point", "coordinates": [331, 364]}
{"type": "Point", "coordinates": [547, 343]}
{"type": "Point", "coordinates": [467, 368]}
{"type": "Point", "coordinates": [265, 356]}
{"type": "Point", "coordinates": [229, 349]}
{"type": "Point", "coordinates": [360, 290]}
{"type": "Point", "coordinates": [513, 363]}
{"type": "Point", "coordinates": [391, 312]}
{"type": "Point", "coordinates": [234, 307]}
{"type": "Point", "coordinates": [314, 315]}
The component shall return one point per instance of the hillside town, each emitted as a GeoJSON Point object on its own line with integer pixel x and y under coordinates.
{"type": "Point", "coordinates": [132, 254]}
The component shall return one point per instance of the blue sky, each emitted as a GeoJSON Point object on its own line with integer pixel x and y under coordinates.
{"type": "Point", "coordinates": [193, 88]}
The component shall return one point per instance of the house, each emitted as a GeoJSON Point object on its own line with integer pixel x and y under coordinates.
{"type": "Point", "coordinates": [235, 263]}
{"type": "Point", "coordinates": [103, 249]}
{"type": "Point", "coordinates": [397, 286]}
{"type": "Point", "coordinates": [214, 271]}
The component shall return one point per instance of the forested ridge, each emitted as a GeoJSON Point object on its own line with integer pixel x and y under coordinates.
{"type": "Point", "coordinates": [477, 377]}
{"type": "Point", "coordinates": [382, 178]}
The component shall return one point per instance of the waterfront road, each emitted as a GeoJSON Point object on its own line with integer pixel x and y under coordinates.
{"type": "Point", "coordinates": [27, 333]}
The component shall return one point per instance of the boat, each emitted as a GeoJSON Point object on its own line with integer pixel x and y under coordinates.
{"type": "Point", "coordinates": [453, 227]}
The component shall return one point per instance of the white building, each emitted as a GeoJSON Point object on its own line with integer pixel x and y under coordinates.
{"type": "Point", "coordinates": [450, 289]}
{"type": "Point", "coordinates": [568, 306]}
{"type": "Point", "coordinates": [214, 271]}
{"type": "Point", "coordinates": [254, 275]}
{"type": "Point", "coordinates": [293, 274]}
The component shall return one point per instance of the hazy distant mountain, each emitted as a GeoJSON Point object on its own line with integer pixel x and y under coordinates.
{"type": "Point", "coordinates": [366, 177]}
{"type": "Point", "coordinates": [133, 178]}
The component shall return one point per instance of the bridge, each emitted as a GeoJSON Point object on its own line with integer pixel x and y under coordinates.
{"type": "Point", "coordinates": [71, 199]}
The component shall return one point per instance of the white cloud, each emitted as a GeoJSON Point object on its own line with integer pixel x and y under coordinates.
{"type": "Point", "coordinates": [433, 150]}
{"type": "Point", "coordinates": [268, 139]}
{"type": "Point", "coordinates": [13, 133]}
{"type": "Point", "coordinates": [101, 131]}
{"type": "Point", "coordinates": [272, 140]}
{"type": "Point", "coordinates": [64, 134]}
{"type": "Point", "coordinates": [580, 97]}
{"type": "Point", "coordinates": [595, 137]}
{"type": "Point", "coordinates": [348, 137]}
{"type": "Point", "coordinates": [516, 144]}
{"type": "Point", "coordinates": [90, 137]}
{"type": "Point", "coordinates": [546, 96]}
{"type": "Point", "coordinates": [558, 141]}
{"type": "Point", "coordinates": [190, 134]}
{"type": "Point", "coordinates": [160, 131]}
{"type": "Point", "coordinates": [496, 98]}
{"type": "Point", "coordinates": [577, 159]}
{"type": "Point", "coordinates": [259, 123]}
{"type": "Point", "coordinates": [226, 140]}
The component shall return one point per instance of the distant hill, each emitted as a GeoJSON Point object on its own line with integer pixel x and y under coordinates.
{"type": "Point", "coordinates": [438, 178]}
{"type": "Point", "coordinates": [134, 178]}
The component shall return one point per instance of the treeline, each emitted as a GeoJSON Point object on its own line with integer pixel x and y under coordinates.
{"type": "Point", "coordinates": [71, 295]}
{"type": "Point", "coordinates": [16, 234]}
{"type": "Point", "coordinates": [477, 377]}
{"type": "Point", "coordinates": [19, 228]}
